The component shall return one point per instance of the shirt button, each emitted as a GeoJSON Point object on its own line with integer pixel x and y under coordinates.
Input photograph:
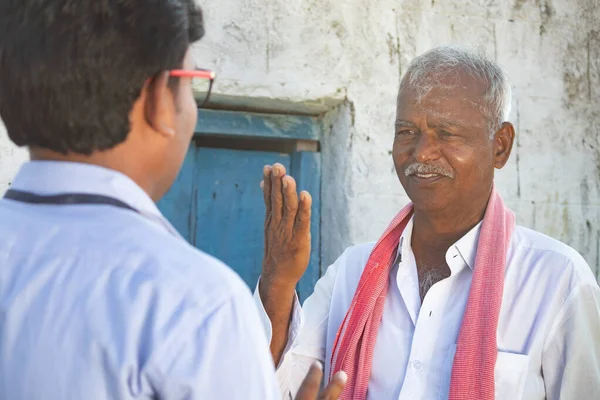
{"type": "Point", "coordinates": [417, 365]}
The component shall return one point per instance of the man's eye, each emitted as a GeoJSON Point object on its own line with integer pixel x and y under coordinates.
{"type": "Point", "coordinates": [446, 134]}
{"type": "Point", "coordinates": [405, 132]}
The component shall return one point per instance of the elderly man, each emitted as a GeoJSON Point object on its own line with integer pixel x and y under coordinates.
{"type": "Point", "coordinates": [454, 300]}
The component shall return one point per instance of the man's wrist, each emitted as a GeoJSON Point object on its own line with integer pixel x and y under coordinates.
{"type": "Point", "coordinates": [271, 289]}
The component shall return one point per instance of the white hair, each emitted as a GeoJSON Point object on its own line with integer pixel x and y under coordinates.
{"type": "Point", "coordinates": [426, 71]}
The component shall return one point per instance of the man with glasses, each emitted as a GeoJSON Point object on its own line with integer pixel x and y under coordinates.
{"type": "Point", "coordinates": [100, 298]}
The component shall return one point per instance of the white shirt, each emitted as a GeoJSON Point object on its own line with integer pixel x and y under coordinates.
{"type": "Point", "coordinates": [99, 302]}
{"type": "Point", "coordinates": [548, 331]}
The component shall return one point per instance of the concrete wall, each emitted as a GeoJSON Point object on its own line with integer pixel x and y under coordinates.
{"type": "Point", "coordinates": [355, 50]}
{"type": "Point", "coordinates": [351, 53]}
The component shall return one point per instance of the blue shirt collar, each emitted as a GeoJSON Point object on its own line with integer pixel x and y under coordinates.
{"type": "Point", "coordinates": [56, 177]}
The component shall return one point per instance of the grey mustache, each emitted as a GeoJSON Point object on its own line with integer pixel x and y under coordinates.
{"type": "Point", "coordinates": [418, 168]}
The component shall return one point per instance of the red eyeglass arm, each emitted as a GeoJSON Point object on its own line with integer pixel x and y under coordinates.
{"type": "Point", "coordinates": [192, 73]}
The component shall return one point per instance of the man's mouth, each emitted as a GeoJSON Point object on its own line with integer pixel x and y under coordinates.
{"type": "Point", "coordinates": [427, 172]}
{"type": "Point", "coordinates": [426, 176]}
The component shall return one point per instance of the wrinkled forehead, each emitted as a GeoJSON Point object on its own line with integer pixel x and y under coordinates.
{"type": "Point", "coordinates": [453, 96]}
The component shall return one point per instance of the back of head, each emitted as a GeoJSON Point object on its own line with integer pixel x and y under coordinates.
{"type": "Point", "coordinates": [71, 70]}
{"type": "Point", "coordinates": [427, 70]}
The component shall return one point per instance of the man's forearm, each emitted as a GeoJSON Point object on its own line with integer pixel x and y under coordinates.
{"type": "Point", "coordinates": [278, 302]}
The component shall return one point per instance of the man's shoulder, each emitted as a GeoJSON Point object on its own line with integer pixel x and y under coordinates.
{"type": "Point", "coordinates": [360, 249]}
{"type": "Point", "coordinates": [132, 246]}
{"type": "Point", "coordinates": [351, 263]}
{"type": "Point", "coordinates": [177, 264]}
{"type": "Point", "coordinates": [539, 249]}
{"type": "Point", "coordinates": [357, 254]}
{"type": "Point", "coordinates": [527, 239]}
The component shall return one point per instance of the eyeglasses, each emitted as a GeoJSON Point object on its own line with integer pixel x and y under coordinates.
{"type": "Point", "coordinates": [202, 82]}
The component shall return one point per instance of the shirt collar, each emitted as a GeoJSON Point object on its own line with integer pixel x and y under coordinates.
{"type": "Point", "coordinates": [405, 239]}
{"type": "Point", "coordinates": [55, 177]}
{"type": "Point", "coordinates": [466, 246]}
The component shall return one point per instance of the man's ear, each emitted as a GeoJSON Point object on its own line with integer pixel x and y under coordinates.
{"type": "Point", "coordinates": [503, 143]}
{"type": "Point", "coordinates": [160, 108]}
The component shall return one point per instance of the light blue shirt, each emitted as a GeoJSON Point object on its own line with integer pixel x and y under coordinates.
{"type": "Point", "coordinates": [99, 302]}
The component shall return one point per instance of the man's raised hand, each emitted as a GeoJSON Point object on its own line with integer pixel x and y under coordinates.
{"type": "Point", "coordinates": [287, 230]}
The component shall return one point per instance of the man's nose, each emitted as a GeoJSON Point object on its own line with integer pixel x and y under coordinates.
{"type": "Point", "coordinates": [427, 147]}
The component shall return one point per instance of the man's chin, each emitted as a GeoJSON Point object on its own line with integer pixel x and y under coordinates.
{"type": "Point", "coordinates": [428, 199]}
{"type": "Point", "coordinates": [429, 205]}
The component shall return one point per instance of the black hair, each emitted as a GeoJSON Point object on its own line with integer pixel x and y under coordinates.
{"type": "Point", "coordinates": [71, 70]}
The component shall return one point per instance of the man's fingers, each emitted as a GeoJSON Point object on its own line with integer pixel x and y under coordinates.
{"type": "Point", "coordinates": [276, 193]}
{"type": "Point", "coordinates": [309, 390]}
{"type": "Point", "coordinates": [302, 225]}
{"type": "Point", "coordinates": [266, 187]}
{"type": "Point", "coordinates": [335, 387]}
{"type": "Point", "coordinates": [290, 201]}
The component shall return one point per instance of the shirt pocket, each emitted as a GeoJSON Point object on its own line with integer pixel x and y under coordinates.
{"type": "Point", "coordinates": [510, 375]}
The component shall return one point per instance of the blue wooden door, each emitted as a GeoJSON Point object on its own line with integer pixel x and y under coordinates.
{"type": "Point", "coordinates": [216, 202]}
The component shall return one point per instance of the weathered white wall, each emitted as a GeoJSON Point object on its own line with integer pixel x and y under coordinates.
{"type": "Point", "coordinates": [355, 50]}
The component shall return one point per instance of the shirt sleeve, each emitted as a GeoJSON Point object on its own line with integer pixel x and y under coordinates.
{"type": "Point", "coordinates": [221, 356]}
{"type": "Point", "coordinates": [571, 357]}
{"type": "Point", "coordinates": [307, 335]}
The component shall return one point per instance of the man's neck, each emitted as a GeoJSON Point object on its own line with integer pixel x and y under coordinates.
{"type": "Point", "coordinates": [440, 230]}
{"type": "Point", "coordinates": [112, 159]}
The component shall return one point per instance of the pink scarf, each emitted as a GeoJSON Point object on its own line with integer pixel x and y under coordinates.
{"type": "Point", "coordinates": [475, 359]}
